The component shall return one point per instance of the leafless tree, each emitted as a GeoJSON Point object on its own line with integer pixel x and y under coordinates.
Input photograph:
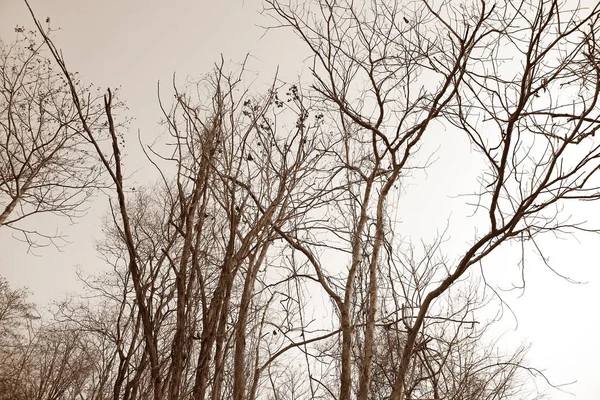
{"type": "Point", "coordinates": [40, 360]}
{"type": "Point", "coordinates": [391, 74]}
{"type": "Point", "coordinates": [16, 317]}
{"type": "Point", "coordinates": [192, 259]}
{"type": "Point", "coordinates": [15, 312]}
{"type": "Point", "coordinates": [45, 164]}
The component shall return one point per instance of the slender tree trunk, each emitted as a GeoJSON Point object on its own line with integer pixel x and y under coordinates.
{"type": "Point", "coordinates": [209, 332]}
{"type": "Point", "coordinates": [8, 210]}
{"type": "Point", "coordinates": [366, 368]}
{"type": "Point", "coordinates": [346, 323]}
{"type": "Point", "coordinates": [239, 362]}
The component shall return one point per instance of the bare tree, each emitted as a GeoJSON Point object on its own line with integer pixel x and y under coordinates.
{"type": "Point", "coordinates": [236, 180]}
{"type": "Point", "coordinates": [16, 317]}
{"type": "Point", "coordinates": [391, 73]}
{"type": "Point", "coordinates": [40, 360]}
{"type": "Point", "coordinates": [15, 311]}
{"type": "Point", "coordinates": [45, 164]}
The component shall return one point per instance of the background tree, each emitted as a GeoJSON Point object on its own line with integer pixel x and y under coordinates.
{"type": "Point", "coordinates": [16, 318]}
{"type": "Point", "coordinates": [41, 359]}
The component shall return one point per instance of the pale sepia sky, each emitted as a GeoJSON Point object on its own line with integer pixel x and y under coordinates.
{"type": "Point", "coordinates": [135, 43]}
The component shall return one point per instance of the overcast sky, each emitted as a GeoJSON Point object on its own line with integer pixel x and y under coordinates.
{"type": "Point", "coordinates": [135, 43]}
